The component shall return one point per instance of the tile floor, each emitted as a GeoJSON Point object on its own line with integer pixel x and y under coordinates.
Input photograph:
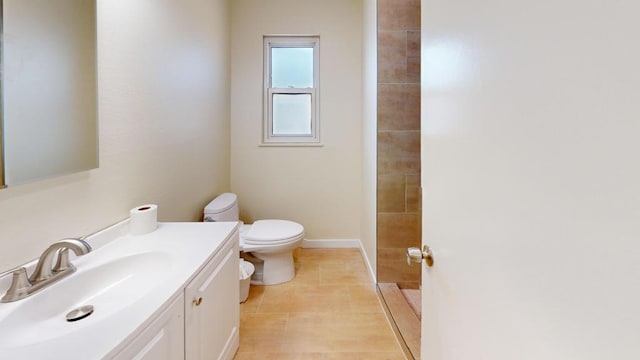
{"type": "Point", "coordinates": [330, 311]}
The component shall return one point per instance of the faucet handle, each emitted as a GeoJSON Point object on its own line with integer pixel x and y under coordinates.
{"type": "Point", "coordinates": [62, 263]}
{"type": "Point", "coordinates": [19, 286]}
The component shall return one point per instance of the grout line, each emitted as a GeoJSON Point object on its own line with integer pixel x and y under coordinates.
{"type": "Point", "coordinates": [400, 131]}
{"type": "Point", "coordinates": [399, 212]}
{"type": "Point", "coordinates": [259, 306]}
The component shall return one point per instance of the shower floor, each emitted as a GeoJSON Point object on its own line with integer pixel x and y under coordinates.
{"type": "Point", "coordinates": [405, 308]}
{"type": "Point", "coordinates": [414, 298]}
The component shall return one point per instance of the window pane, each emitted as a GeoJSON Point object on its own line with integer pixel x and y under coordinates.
{"type": "Point", "coordinates": [291, 114]}
{"type": "Point", "coordinates": [291, 67]}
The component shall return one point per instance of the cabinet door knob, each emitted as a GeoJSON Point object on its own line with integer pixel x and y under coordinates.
{"type": "Point", "coordinates": [198, 301]}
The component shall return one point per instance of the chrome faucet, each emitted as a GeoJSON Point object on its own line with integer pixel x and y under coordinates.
{"type": "Point", "coordinates": [45, 273]}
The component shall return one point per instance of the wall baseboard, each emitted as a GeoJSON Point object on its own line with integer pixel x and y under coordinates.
{"type": "Point", "coordinates": [367, 263]}
{"type": "Point", "coordinates": [331, 243]}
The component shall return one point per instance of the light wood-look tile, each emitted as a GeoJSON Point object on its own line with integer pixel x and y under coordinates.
{"type": "Point", "coordinates": [330, 311]}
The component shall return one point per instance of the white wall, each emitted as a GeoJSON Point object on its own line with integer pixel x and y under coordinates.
{"type": "Point", "coordinates": [320, 187]}
{"type": "Point", "coordinates": [163, 121]}
{"type": "Point", "coordinates": [368, 234]}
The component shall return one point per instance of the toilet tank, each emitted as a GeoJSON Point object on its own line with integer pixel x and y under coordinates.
{"type": "Point", "coordinates": [222, 208]}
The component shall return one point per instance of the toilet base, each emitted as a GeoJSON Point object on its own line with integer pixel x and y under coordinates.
{"type": "Point", "coordinates": [271, 268]}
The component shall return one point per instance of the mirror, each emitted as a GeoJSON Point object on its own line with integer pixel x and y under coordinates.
{"type": "Point", "coordinates": [49, 93]}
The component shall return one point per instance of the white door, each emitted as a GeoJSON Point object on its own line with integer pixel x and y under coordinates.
{"type": "Point", "coordinates": [531, 179]}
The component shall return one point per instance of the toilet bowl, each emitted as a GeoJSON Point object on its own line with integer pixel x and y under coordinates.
{"type": "Point", "coordinates": [267, 244]}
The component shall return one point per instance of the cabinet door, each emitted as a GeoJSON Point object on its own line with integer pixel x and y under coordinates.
{"type": "Point", "coordinates": [212, 310]}
{"type": "Point", "coordinates": [162, 340]}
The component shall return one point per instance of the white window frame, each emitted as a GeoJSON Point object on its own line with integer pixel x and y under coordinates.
{"type": "Point", "coordinates": [275, 41]}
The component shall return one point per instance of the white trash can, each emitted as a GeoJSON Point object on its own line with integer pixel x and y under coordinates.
{"type": "Point", "coordinates": [246, 270]}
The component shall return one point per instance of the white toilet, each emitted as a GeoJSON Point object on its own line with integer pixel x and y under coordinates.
{"type": "Point", "coordinates": [268, 244]}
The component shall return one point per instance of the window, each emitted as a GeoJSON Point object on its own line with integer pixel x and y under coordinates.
{"type": "Point", "coordinates": [291, 90]}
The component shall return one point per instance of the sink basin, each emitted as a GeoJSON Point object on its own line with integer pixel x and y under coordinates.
{"type": "Point", "coordinates": [110, 287]}
{"type": "Point", "coordinates": [130, 281]}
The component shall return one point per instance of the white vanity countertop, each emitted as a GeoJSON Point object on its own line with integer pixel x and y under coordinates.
{"type": "Point", "coordinates": [185, 248]}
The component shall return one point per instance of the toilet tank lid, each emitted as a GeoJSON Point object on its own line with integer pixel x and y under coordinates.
{"type": "Point", "coordinates": [221, 203]}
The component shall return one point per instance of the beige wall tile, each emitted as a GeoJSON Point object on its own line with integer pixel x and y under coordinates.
{"type": "Point", "coordinates": [392, 47]}
{"type": "Point", "coordinates": [397, 105]}
{"type": "Point", "coordinates": [412, 103]}
{"type": "Point", "coordinates": [393, 268]}
{"type": "Point", "coordinates": [392, 57]}
{"type": "Point", "coordinates": [399, 152]}
{"type": "Point", "coordinates": [399, 14]}
{"type": "Point", "coordinates": [398, 225]}
{"type": "Point", "coordinates": [398, 230]}
{"type": "Point", "coordinates": [413, 194]}
{"type": "Point", "coordinates": [414, 284]}
{"type": "Point", "coordinates": [392, 72]}
{"type": "Point", "coordinates": [412, 72]}
{"type": "Point", "coordinates": [390, 165]}
{"type": "Point", "coordinates": [402, 143]}
{"type": "Point", "coordinates": [391, 107]}
{"type": "Point", "coordinates": [391, 194]}
{"type": "Point", "coordinates": [413, 43]}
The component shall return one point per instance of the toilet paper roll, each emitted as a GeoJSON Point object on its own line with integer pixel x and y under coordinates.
{"type": "Point", "coordinates": [143, 219]}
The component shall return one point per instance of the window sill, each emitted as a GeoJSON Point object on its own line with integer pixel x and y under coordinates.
{"type": "Point", "coordinates": [291, 145]}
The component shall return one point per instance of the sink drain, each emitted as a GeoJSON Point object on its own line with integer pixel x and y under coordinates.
{"type": "Point", "coordinates": [80, 313]}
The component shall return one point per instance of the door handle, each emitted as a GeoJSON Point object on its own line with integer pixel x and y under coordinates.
{"type": "Point", "coordinates": [415, 255]}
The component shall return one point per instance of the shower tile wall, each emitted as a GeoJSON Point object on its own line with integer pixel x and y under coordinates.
{"type": "Point", "coordinates": [399, 212]}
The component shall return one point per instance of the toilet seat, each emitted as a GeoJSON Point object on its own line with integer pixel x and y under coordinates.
{"type": "Point", "coordinates": [262, 237]}
{"type": "Point", "coordinates": [273, 232]}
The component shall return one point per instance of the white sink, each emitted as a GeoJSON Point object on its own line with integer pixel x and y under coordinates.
{"type": "Point", "coordinates": [127, 279]}
{"type": "Point", "coordinates": [110, 286]}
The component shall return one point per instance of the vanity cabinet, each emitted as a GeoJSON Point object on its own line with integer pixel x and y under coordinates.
{"type": "Point", "coordinates": [163, 339]}
{"type": "Point", "coordinates": [202, 321]}
{"type": "Point", "coordinates": [169, 294]}
{"type": "Point", "coordinates": [212, 309]}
